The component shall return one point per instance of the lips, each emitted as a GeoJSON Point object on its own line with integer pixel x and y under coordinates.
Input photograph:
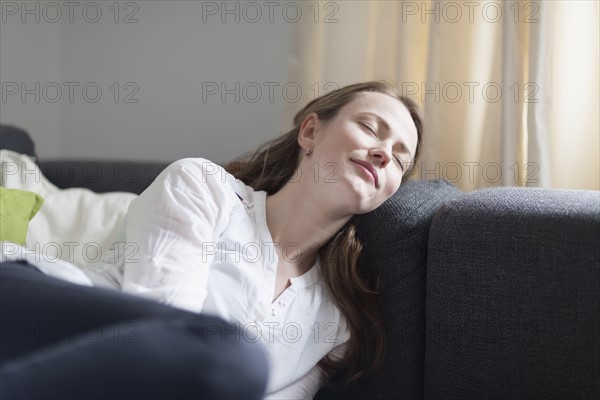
{"type": "Point", "coordinates": [369, 168]}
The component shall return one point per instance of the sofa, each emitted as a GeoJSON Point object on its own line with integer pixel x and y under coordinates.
{"type": "Point", "coordinates": [492, 294]}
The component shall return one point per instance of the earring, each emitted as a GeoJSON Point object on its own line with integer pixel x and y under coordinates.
{"type": "Point", "coordinates": [308, 151]}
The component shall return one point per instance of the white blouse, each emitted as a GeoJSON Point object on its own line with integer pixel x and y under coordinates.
{"type": "Point", "coordinates": [197, 238]}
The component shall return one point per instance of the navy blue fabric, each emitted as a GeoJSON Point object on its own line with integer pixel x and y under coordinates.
{"type": "Point", "coordinates": [61, 340]}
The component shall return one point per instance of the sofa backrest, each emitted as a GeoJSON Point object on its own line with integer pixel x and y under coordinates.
{"type": "Point", "coordinates": [102, 175]}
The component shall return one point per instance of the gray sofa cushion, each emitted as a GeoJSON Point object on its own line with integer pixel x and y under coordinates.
{"type": "Point", "coordinates": [394, 238]}
{"type": "Point", "coordinates": [513, 296]}
{"type": "Point", "coordinates": [102, 175]}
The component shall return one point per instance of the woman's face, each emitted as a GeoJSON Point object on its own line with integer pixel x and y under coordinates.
{"type": "Point", "coordinates": [375, 130]}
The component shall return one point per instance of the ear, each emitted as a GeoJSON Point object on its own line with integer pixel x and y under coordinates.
{"type": "Point", "coordinates": [309, 130]}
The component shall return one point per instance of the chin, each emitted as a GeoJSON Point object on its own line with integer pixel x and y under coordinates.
{"type": "Point", "coordinates": [361, 194]}
{"type": "Point", "coordinates": [361, 212]}
{"type": "Point", "coordinates": [364, 204]}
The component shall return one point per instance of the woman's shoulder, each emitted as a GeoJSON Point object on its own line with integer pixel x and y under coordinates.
{"type": "Point", "coordinates": [200, 166]}
{"type": "Point", "coordinates": [204, 173]}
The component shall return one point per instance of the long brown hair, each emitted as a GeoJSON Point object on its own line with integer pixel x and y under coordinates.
{"type": "Point", "coordinates": [354, 291]}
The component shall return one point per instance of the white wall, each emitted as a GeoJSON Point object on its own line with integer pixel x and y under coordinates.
{"type": "Point", "coordinates": [167, 56]}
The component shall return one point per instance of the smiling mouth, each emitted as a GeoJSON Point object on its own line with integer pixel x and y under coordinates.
{"type": "Point", "coordinates": [366, 171]}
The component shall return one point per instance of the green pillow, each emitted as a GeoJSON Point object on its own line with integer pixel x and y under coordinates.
{"type": "Point", "coordinates": [17, 208]}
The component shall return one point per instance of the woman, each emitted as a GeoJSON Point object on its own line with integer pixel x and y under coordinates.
{"type": "Point", "coordinates": [274, 252]}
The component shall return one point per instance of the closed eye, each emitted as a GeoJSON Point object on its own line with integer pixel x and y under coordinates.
{"type": "Point", "coordinates": [374, 134]}
{"type": "Point", "coordinates": [401, 164]}
{"type": "Point", "coordinates": [369, 128]}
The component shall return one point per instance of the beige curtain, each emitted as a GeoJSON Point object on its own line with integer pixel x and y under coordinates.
{"type": "Point", "coordinates": [509, 89]}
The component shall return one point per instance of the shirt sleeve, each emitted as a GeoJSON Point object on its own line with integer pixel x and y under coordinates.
{"type": "Point", "coordinates": [171, 225]}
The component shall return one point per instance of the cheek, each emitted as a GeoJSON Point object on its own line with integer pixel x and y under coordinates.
{"type": "Point", "coordinates": [394, 182]}
{"type": "Point", "coordinates": [338, 148]}
{"type": "Point", "coordinates": [351, 135]}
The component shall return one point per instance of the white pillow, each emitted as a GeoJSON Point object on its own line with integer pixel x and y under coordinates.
{"type": "Point", "coordinates": [75, 225]}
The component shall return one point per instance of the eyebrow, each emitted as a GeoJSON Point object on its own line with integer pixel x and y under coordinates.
{"type": "Point", "coordinates": [383, 122]}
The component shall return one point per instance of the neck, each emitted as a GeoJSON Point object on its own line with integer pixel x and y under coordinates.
{"type": "Point", "coordinates": [298, 226]}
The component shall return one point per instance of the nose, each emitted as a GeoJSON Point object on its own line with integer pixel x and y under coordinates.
{"type": "Point", "coordinates": [381, 155]}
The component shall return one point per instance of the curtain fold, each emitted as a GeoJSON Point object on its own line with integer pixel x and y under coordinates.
{"type": "Point", "coordinates": [513, 128]}
{"type": "Point", "coordinates": [539, 107]}
{"type": "Point", "coordinates": [506, 99]}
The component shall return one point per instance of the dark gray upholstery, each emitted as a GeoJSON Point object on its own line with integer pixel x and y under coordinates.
{"type": "Point", "coordinates": [102, 175]}
{"type": "Point", "coordinates": [394, 238]}
{"type": "Point", "coordinates": [513, 296]}
{"type": "Point", "coordinates": [16, 139]}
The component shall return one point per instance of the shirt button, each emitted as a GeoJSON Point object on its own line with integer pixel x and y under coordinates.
{"type": "Point", "coordinates": [272, 311]}
{"type": "Point", "coordinates": [281, 304]}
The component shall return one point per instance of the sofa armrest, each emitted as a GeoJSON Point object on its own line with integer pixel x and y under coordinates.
{"type": "Point", "coordinates": [513, 296]}
{"type": "Point", "coordinates": [102, 175]}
